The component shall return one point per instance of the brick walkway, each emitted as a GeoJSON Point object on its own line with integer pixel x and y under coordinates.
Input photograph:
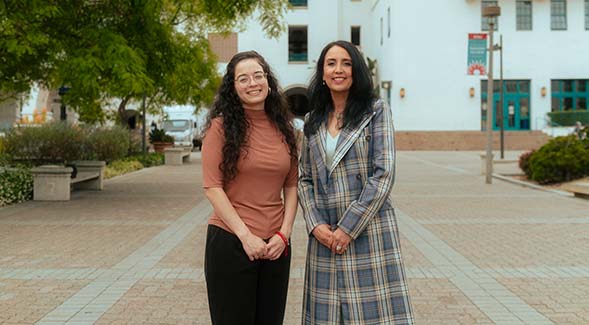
{"type": "Point", "coordinates": [133, 253]}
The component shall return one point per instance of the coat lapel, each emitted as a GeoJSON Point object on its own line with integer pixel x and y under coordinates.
{"type": "Point", "coordinates": [347, 138]}
{"type": "Point", "coordinates": [317, 146]}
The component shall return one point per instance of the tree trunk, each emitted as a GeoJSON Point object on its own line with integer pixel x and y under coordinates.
{"type": "Point", "coordinates": [122, 111]}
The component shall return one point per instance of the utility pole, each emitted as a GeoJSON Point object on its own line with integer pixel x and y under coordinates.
{"type": "Point", "coordinates": [491, 12]}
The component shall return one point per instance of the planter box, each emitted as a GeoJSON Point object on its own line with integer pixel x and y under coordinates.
{"type": "Point", "coordinates": [161, 146]}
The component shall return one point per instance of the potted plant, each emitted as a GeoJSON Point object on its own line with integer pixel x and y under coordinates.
{"type": "Point", "coordinates": [160, 140]}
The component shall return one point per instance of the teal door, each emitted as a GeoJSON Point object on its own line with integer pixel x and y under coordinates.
{"type": "Point", "coordinates": [516, 105]}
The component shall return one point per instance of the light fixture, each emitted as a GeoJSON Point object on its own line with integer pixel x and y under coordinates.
{"type": "Point", "coordinates": [402, 92]}
{"type": "Point", "coordinates": [543, 91]}
{"type": "Point", "coordinates": [471, 92]}
{"type": "Point", "coordinates": [385, 84]}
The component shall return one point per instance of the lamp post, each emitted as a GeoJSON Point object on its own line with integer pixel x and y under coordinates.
{"type": "Point", "coordinates": [143, 146]}
{"type": "Point", "coordinates": [501, 83]}
{"type": "Point", "coordinates": [490, 12]}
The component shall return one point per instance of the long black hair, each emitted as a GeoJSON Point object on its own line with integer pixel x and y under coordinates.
{"type": "Point", "coordinates": [228, 106]}
{"type": "Point", "coordinates": [360, 97]}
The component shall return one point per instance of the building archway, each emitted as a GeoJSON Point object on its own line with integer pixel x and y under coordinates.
{"type": "Point", "coordinates": [134, 119]}
{"type": "Point", "coordinates": [298, 103]}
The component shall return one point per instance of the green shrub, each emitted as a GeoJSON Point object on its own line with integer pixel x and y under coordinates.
{"type": "Point", "coordinates": [47, 143]}
{"type": "Point", "coordinates": [108, 144]}
{"type": "Point", "coordinates": [585, 136]}
{"type": "Point", "coordinates": [61, 142]}
{"type": "Point", "coordinates": [16, 185]}
{"type": "Point", "coordinates": [135, 143]}
{"type": "Point", "coordinates": [524, 161]}
{"type": "Point", "coordinates": [561, 159]}
{"type": "Point", "coordinates": [569, 118]}
{"type": "Point", "coordinates": [5, 159]}
{"type": "Point", "coordinates": [2, 145]}
{"type": "Point", "coordinates": [149, 159]}
{"type": "Point", "coordinates": [120, 167]}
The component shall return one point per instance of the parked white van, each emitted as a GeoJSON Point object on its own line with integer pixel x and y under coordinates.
{"type": "Point", "coordinates": [184, 131]}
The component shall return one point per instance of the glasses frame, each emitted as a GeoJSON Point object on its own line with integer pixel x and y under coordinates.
{"type": "Point", "coordinates": [251, 77]}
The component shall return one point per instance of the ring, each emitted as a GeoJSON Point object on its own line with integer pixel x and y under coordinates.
{"type": "Point", "coordinates": [338, 248]}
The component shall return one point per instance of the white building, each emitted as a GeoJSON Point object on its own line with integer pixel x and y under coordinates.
{"type": "Point", "coordinates": [421, 52]}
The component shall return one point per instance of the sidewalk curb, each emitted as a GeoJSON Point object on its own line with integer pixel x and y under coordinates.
{"type": "Point", "coordinates": [530, 185]}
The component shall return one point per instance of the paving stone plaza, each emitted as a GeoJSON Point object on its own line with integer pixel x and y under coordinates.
{"type": "Point", "coordinates": [133, 253]}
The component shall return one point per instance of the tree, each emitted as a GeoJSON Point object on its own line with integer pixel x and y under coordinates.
{"type": "Point", "coordinates": [114, 52]}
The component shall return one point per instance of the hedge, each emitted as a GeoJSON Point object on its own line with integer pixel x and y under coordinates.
{"type": "Point", "coordinates": [569, 118]}
{"type": "Point", "coordinates": [62, 142]}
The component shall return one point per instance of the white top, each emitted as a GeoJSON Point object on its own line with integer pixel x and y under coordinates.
{"type": "Point", "coordinates": [330, 144]}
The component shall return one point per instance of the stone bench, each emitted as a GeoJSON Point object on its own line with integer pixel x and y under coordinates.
{"type": "Point", "coordinates": [495, 161]}
{"type": "Point", "coordinates": [176, 156]}
{"type": "Point", "coordinates": [580, 189]}
{"type": "Point", "coordinates": [54, 183]}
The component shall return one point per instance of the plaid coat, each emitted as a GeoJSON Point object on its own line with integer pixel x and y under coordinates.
{"type": "Point", "coordinates": [365, 285]}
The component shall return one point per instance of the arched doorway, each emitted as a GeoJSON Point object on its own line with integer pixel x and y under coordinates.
{"type": "Point", "coordinates": [134, 119]}
{"type": "Point", "coordinates": [298, 102]}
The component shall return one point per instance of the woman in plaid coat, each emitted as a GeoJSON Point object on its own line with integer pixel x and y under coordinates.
{"type": "Point", "coordinates": [354, 272]}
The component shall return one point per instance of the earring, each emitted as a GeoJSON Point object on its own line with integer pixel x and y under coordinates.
{"type": "Point", "coordinates": [323, 83]}
{"type": "Point", "coordinates": [269, 90]}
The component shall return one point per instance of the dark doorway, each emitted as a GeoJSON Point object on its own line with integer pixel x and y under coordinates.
{"type": "Point", "coordinates": [132, 122]}
{"type": "Point", "coordinates": [297, 101]}
{"type": "Point", "coordinates": [133, 119]}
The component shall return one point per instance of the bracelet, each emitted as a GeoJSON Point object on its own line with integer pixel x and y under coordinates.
{"type": "Point", "coordinates": [281, 235]}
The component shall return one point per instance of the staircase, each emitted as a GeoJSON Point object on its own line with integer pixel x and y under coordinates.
{"type": "Point", "coordinates": [467, 140]}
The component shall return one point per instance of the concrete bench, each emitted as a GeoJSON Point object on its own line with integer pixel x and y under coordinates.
{"type": "Point", "coordinates": [176, 156]}
{"type": "Point", "coordinates": [54, 183]}
{"type": "Point", "coordinates": [495, 162]}
{"type": "Point", "coordinates": [580, 189]}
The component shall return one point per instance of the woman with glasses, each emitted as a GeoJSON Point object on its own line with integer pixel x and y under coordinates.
{"type": "Point", "coordinates": [249, 161]}
{"type": "Point", "coordinates": [354, 272]}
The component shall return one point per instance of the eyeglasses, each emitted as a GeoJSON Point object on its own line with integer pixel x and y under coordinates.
{"type": "Point", "coordinates": [244, 80]}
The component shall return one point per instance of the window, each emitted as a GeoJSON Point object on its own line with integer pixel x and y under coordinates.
{"type": "Point", "coordinates": [524, 14]}
{"type": "Point", "coordinates": [381, 27]}
{"type": "Point", "coordinates": [558, 14]}
{"type": "Point", "coordinates": [297, 44]}
{"type": "Point", "coordinates": [298, 3]}
{"type": "Point", "coordinates": [355, 37]}
{"type": "Point", "coordinates": [389, 21]}
{"type": "Point", "coordinates": [485, 20]}
{"type": "Point", "coordinates": [586, 14]}
{"type": "Point", "coordinates": [570, 94]}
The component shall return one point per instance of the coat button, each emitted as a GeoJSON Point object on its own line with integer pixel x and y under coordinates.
{"type": "Point", "coordinates": [368, 137]}
{"type": "Point", "coordinates": [359, 177]}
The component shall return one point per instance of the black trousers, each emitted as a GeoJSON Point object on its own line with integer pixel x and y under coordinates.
{"type": "Point", "coordinates": [242, 292]}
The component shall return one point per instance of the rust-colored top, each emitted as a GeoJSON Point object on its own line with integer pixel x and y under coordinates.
{"type": "Point", "coordinates": [263, 172]}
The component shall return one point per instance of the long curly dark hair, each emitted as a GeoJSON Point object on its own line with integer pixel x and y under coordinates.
{"type": "Point", "coordinates": [360, 97]}
{"type": "Point", "coordinates": [235, 124]}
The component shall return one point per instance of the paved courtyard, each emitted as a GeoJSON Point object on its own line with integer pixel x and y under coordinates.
{"type": "Point", "coordinates": [133, 253]}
